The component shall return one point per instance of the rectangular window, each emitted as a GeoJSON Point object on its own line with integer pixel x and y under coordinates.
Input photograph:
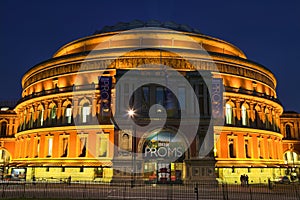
{"type": "Point", "coordinates": [82, 146]}
{"type": "Point", "coordinates": [181, 98]}
{"type": "Point", "coordinates": [232, 149]}
{"type": "Point", "coordinates": [69, 115]}
{"type": "Point", "coordinates": [159, 96]}
{"type": "Point", "coordinates": [201, 98]}
{"type": "Point", "coordinates": [50, 145]}
{"type": "Point", "coordinates": [102, 147]}
{"type": "Point", "coordinates": [145, 99]}
{"type": "Point", "coordinates": [247, 149]}
{"type": "Point", "coordinates": [85, 113]}
{"type": "Point", "coordinates": [64, 147]}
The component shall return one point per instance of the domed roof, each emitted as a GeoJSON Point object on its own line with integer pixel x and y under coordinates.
{"type": "Point", "coordinates": [122, 26]}
{"type": "Point", "coordinates": [171, 34]}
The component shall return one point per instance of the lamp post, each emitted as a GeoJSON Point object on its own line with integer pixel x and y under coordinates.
{"type": "Point", "coordinates": [131, 113]}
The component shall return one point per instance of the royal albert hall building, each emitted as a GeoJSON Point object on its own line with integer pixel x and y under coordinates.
{"type": "Point", "coordinates": [71, 121]}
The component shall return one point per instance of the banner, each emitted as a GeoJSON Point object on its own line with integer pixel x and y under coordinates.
{"type": "Point", "coordinates": [105, 83]}
{"type": "Point", "coordinates": [217, 98]}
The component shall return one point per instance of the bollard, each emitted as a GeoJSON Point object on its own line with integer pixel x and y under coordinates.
{"type": "Point", "coordinates": [196, 191]}
{"type": "Point", "coordinates": [270, 184]}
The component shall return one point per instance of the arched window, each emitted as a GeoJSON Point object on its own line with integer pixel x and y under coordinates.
{"type": "Point", "coordinates": [85, 112]}
{"type": "Point", "coordinates": [24, 119]}
{"type": "Point", "coordinates": [40, 119]}
{"type": "Point", "coordinates": [125, 142]}
{"type": "Point", "coordinates": [228, 114]}
{"type": "Point", "coordinates": [3, 128]}
{"type": "Point", "coordinates": [244, 116]}
{"type": "Point", "coordinates": [31, 118]}
{"type": "Point", "coordinates": [291, 157]}
{"type": "Point", "coordinates": [53, 112]}
{"type": "Point", "coordinates": [68, 114]}
{"type": "Point", "coordinates": [267, 120]}
{"type": "Point", "coordinates": [288, 133]}
{"type": "Point", "coordinates": [257, 116]}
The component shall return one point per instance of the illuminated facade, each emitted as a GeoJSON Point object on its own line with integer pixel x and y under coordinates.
{"type": "Point", "coordinates": [61, 127]}
{"type": "Point", "coordinates": [290, 129]}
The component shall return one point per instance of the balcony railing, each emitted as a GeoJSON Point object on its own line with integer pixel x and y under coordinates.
{"type": "Point", "coordinates": [60, 90]}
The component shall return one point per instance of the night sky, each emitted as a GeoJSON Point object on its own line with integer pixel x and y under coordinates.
{"type": "Point", "coordinates": [267, 31]}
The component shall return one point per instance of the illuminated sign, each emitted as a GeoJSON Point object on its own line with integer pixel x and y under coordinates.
{"type": "Point", "coordinates": [105, 83]}
{"type": "Point", "coordinates": [163, 146]}
{"type": "Point", "coordinates": [163, 152]}
{"type": "Point", "coordinates": [217, 98]}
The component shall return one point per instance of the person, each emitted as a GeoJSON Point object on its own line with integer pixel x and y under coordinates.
{"type": "Point", "coordinates": [33, 179]}
{"type": "Point", "coordinates": [69, 180]}
{"type": "Point", "coordinates": [242, 179]}
{"type": "Point", "coordinates": [246, 180]}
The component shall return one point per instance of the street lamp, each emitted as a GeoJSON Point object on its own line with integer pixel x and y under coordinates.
{"type": "Point", "coordinates": [131, 113]}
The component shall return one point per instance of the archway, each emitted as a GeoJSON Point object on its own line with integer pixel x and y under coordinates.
{"type": "Point", "coordinates": [291, 158]}
{"type": "Point", "coordinates": [163, 155]}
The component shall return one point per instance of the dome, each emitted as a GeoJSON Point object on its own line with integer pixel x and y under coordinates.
{"type": "Point", "coordinates": [122, 26]}
{"type": "Point", "coordinates": [170, 34]}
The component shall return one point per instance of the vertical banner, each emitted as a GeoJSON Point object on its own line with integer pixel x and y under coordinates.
{"type": "Point", "coordinates": [105, 84]}
{"type": "Point", "coordinates": [217, 98]}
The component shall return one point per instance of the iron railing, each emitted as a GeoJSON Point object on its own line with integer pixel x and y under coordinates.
{"type": "Point", "coordinates": [93, 190]}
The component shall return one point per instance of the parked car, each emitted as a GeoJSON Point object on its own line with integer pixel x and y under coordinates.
{"type": "Point", "coordinates": [10, 178]}
{"type": "Point", "coordinates": [283, 180]}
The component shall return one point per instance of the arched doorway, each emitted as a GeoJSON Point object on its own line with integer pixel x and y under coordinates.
{"type": "Point", "coordinates": [4, 161]}
{"type": "Point", "coordinates": [163, 155]}
{"type": "Point", "coordinates": [291, 158]}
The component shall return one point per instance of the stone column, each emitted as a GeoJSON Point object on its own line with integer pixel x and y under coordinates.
{"type": "Point", "coordinates": [10, 127]}
{"type": "Point", "coordinates": [46, 110]}
{"type": "Point", "coordinates": [75, 107]}
{"type": "Point", "coordinates": [238, 109]}
{"type": "Point", "coordinates": [94, 106]}
{"type": "Point", "coordinates": [252, 112]}
{"type": "Point", "coordinates": [59, 109]}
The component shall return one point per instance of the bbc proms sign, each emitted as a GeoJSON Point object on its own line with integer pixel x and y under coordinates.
{"type": "Point", "coordinates": [163, 152]}
{"type": "Point", "coordinates": [217, 98]}
{"type": "Point", "coordinates": [105, 84]}
{"type": "Point", "coordinates": [163, 149]}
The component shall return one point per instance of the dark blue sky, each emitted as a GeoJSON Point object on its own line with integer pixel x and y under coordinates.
{"type": "Point", "coordinates": [267, 31]}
